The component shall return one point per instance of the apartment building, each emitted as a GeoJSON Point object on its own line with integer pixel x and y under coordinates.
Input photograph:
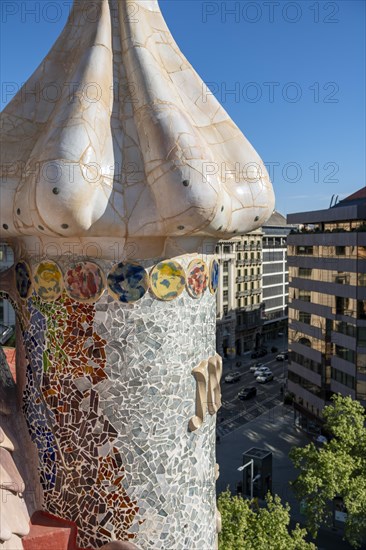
{"type": "Point", "coordinates": [275, 276]}
{"type": "Point", "coordinates": [327, 305]}
{"type": "Point", "coordinates": [239, 316]}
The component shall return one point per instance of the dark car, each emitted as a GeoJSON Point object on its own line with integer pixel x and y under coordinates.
{"type": "Point", "coordinates": [5, 333]}
{"type": "Point", "coordinates": [247, 393]}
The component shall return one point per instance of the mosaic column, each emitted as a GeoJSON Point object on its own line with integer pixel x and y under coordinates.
{"type": "Point", "coordinates": [126, 438]}
{"type": "Point", "coordinates": [114, 195]}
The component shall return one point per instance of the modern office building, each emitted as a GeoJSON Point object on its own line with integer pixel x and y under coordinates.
{"type": "Point", "coordinates": [327, 309]}
{"type": "Point", "coordinates": [275, 276]}
{"type": "Point", "coordinates": [7, 314]}
{"type": "Point", "coordinates": [239, 296]}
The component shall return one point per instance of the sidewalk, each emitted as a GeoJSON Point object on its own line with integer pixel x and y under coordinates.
{"type": "Point", "coordinates": [275, 431]}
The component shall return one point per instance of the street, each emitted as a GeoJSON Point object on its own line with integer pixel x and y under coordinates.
{"type": "Point", "coordinates": [234, 413]}
{"type": "Point", "coordinates": [263, 421]}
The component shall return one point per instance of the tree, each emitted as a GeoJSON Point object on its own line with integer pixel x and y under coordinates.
{"type": "Point", "coordinates": [337, 469]}
{"type": "Point", "coordinates": [245, 526]}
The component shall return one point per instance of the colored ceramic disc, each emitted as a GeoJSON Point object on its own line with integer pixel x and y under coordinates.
{"type": "Point", "coordinates": [214, 276]}
{"type": "Point", "coordinates": [23, 279]}
{"type": "Point", "coordinates": [84, 282]}
{"type": "Point", "coordinates": [197, 278]}
{"type": "Point", "coordinates": [167, 280]}
{"type": "Point", "coordinates": [48, 281]}
{"type": "Point", "coordinates": [127, 282]}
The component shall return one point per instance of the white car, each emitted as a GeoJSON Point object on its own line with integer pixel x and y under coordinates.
{"type": "Point", "coordinates": [232, 377]}
{"type": "Point", "coordinates": [265, 377]}
{"type": "Point", "coordinates": [261, 370]}
{"type": "Point", "coordinates": [255, 367]}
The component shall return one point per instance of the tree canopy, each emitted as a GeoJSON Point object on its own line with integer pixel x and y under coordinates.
{"type": "Point", "coordinates": [245, 526]}
{"type": "Point", "coordinates": [337, 469]}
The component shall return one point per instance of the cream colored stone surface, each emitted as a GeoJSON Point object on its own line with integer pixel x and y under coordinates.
{"type": "Point", "coordinates": [114, 135]}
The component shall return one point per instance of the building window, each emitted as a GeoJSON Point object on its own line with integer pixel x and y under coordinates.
{"type": "Point", "coordinates": [361, 362]}
{"type": "Point", "coordinates": [346, 328]}
{"type": "Point", "coordinates": [345, 353]}
{"type": "Point", "coordinates": [226, 265]}
{"type": "Point", "coordinates": [227, 249]}
{"type": "Point", "coordinates": [305, 272]}
{"type": "Point", "coordinates": [361, 309]}
{"type": "Point", "coordinates": [361, 336]}
{"type": "Point", "coordinates": [225, 308]}
{"type": "Point", "coordinates": [361, 389]}
{"type": "Point", "coordinates": [306, 362]}
{"type": "Point", "coordinates": [305, 342]}
{"type": "Point", "coordinates": [225, 294]}
{"type": "Point", "coordinates": [342, 278]}
{"type": "Point", "coordinates": [304, 250]}
{"type": "Point", "coordinates": [340, 250]}
{"type": "Point", "coordinates": [343, 378]}
{"type": "Point", "coordinates": [305, 295]}
{"type": "Point", "coordinates": [305, 317]}
{"type": "Point", "coordinates": [306, 384]}
{"type": "Point", "coordinates": [226, 280]}
{"type": "Point", "coordinates": [342, 306]}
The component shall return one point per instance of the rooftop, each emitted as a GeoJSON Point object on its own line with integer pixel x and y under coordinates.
{"type": "Point", "coordinates": [351, 208]}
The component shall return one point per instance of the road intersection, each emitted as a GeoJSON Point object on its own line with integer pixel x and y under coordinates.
{"type": "Point", "coordinates": [234, 412]}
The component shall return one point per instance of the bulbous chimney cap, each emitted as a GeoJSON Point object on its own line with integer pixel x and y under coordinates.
{"type": "Point", "coordinates": [116, 135]}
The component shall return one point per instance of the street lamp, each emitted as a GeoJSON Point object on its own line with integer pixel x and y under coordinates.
{"type": "Point", "coordinates": [252, 478]}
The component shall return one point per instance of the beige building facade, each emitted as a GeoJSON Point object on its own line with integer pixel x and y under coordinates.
{"type": "Point", "coordinates": [239, 316]}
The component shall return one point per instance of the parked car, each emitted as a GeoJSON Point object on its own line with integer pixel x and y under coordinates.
{"type": "Point", "coordinates": [261, 370]}
{"type": "Point", "coordinates": [247, 393]}
{"type": "Point", "coordinates": [232, 377]}
{"type": "Point", "coordinates": [255, 367]}
{"type": "Point", "coordinates": [5, 333]}
{"type": "Point", "coordinates": [265, 377]}
{"type": "Point", "coordinates": [282, 356]}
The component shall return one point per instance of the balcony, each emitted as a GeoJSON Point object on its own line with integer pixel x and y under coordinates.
{"type": "Point", "coordinates": [242, 293]}
{"type": "Point", "coordinates": [243, 262]}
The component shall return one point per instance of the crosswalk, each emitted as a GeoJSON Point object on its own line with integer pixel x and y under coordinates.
{"type": "Point", "coordinates": [246, 415]}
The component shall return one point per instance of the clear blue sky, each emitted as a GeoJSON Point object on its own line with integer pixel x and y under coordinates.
{"type": "Point", "coordinates": [297, 68]}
